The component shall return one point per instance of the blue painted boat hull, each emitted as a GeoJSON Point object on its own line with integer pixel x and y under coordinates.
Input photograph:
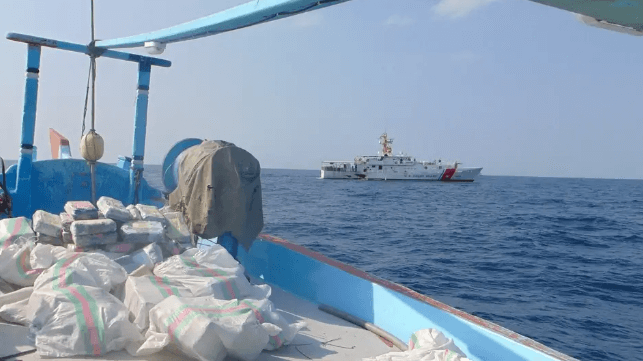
{"type": "Point", "coordinates": [394, 308]}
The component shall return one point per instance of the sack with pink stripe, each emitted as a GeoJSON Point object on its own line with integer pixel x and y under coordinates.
{"type": "Point", "coordinates": [178, 328]}
{"type": "Point", "coordinates": [87, 269]}
{"type": "Point", "coordinates": [15, 267]}
{"type": "Point", "coordinates": [12, 229]}
{"type": "Point", "coordinates": [71, 319]}
{"type": "Point", "coordinates": [143, 293]}
{"type": "Point", "coordinates": [221, 283]}
{"type": "Point", "coordinates": [235, 323]}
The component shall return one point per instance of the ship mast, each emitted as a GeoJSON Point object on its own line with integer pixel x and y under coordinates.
{"type": "Point", "coordinates": [387, 149]}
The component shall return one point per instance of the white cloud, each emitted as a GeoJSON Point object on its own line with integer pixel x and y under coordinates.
{"type": "Point", "coordinates": [459, 8]}
{"type": "Point", "coordinates": [398, 20]}
{"type": "Point", "coordinates": [308, 19]}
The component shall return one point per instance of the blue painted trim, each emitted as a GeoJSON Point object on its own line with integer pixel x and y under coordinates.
{"type": "Point", "coordinates": [170, 165]}
{"type": "Point", "coordinates": [140, 128]}
{"type": "Point", "coordinates": [244, 15]}
{"type": "Point", "coordinates": [78, 48]}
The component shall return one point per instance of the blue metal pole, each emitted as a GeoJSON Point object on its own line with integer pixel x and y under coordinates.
{"type": "Point", "coordinates": [22, 195]}
{"type": "Point", "coordinates": [140, 125]}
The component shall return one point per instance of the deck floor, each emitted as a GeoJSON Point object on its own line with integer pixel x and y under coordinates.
{"type": "Point", "coordinates": [325, 338]}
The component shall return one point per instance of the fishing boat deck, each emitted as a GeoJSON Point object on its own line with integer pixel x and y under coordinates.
{"type": "Point", "coordinates": [326, 337]}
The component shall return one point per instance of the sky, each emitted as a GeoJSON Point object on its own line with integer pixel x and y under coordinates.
{"type": "Point", "coordinates": [512, 86]}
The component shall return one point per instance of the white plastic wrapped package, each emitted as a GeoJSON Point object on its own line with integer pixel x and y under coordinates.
{"type": "Point", "coordinates": [93, 240]}
{"type": "Point", "coordinates": [87, 269]}
{"type": "Point", "coordinates": [12, 229]}
{"type": "Point", "coordinates": [93, 226]}
{"type": "Point", "coordinates": [173, 324]}
{"type": "Point", "coordinates": [281, 332]}
{"type": "Point", "coordinates": [214, 256]}
{"type": "Point", "coordinates": [47, 224]}
{"type": "Point", "coordinates": [15, 312]}
{"type": "Point", "coordinates": [147, 256]}
{"type": "Point", "coordinates": [113, 209]}
{"type": "Point", "coordinates": [134, 212]}
{"type": "Point", "coordinates": [69, 319]}
{"type": "Point", "coordinates": [237, 324]}
{"type": "Point", "coordinates": [45, 255]}
{"type": "Point", "coordinates": [177, 229]}
{"type": "Point", "coordinates": [15, 267]}
{"type": "Point", "coordinates": [221, 283]}
{"type": "Point", "coordinates": [81, 210]}
{"type": "Point", "coordinates": [45, 239]}
{"type": "Point", "coordinates": [124, 247]}
{"type": "Point", "coordinates": [6, 287]}
{"type": "Point", "coordinates": [143, 293]}
{"type": "Point", "coordinates": [66, 220]}
{"type": "Point", "coordinates": [426, 345]}
{"type": "Point", "coordinates": [67, 237]}
{"type": "Point", "coordinates": [142, 232]}
{"type": "Point", "coordinates": [150, 213]}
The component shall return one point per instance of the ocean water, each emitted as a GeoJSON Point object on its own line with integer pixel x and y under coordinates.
{"type": "Point", "coordinates": [557, 260]}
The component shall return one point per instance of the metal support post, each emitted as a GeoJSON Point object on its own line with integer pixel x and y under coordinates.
{"type": "Point", "coordinates": [140, 125]}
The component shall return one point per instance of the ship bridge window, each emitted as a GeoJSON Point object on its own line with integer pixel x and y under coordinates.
{"type": "Point", "coordinates": [380, 167]}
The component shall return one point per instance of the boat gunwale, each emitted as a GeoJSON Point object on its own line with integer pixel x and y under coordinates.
{"type": "Point", "coordinates": [487, 325]}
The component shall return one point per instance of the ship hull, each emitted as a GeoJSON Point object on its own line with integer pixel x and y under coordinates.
{"type": "Point", "coordinates": [460, 175]}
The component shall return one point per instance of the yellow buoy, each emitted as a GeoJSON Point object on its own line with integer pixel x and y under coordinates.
{"type": "Point", "coordinates": [92, 146]}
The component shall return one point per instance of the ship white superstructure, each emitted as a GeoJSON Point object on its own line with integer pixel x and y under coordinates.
{"type": "Point", "coordinates": [387, 166]}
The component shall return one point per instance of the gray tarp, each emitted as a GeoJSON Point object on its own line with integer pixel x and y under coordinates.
{"type": "Point", "coordinates": [219, 191]}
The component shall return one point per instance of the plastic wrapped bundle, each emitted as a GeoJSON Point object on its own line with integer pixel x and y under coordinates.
{"type": "Point", "coordinates": [65, 221]}
{"type": "Point", "coordinates": [12, 229]}
{"type": "Point", "coordinates": [81, 210]}
{"type": "Point", "coordinates": [68, 320]}
{"type": "Point", "coordinates": [134, 212]}
{"type": "Point", "coordinates": [67, 237]}
{"type": "Point", "coordinates": [47, 224]}
{"type": "Point", "coordinates": [142, 232]}
{"type": "Point", "coordinates": [94, 226]}
{"type": "Point", "coordinates": [147, 256]}
{"type": "Point", "coordinates": [113, 209]}
{"type": "Point", "coordinates": [150, 213]}
{"type": "Point", "coordinates": [143, 293]}
{"type": "Point", "coordinates": [87, 269]}
{"type": "Point", "coordinates": [45, 239]}
{"type": "Point", "coordinates": [95, 240]}
{"type": "Point", "coordinates": [177, 229]}
{"type": "Point", "coordinates": [173, 324]}
{"type": "Point", "coordinates": [123, 247]}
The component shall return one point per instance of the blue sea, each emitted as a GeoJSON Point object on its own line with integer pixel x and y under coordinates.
{"type": "Point", "coordinates": [558, 260]}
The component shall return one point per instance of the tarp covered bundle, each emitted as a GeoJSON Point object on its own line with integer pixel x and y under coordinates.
{"type": "Point", "coordinates": [219, 191]}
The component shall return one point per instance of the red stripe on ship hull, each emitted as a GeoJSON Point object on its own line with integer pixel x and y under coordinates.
{"type": "Point", "coordinates": [448, 174]}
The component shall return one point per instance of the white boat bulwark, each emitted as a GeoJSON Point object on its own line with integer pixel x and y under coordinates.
{"type": "Point", "coordinates": [387, 166]}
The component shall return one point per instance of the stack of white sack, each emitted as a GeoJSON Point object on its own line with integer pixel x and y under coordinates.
{"type": "Point", "coordinates": [94, 232]}
{"type": "Point", "coordinates": [71, 311]}
{"type": "Point", "coordinates": [426, 345]}
{"type": "Point", "coordinates": [113, 209]}
{"type": "Point", "coordinates": [207, 329]}
{"type": "Point", "coordinates": [48, 228]}
{"type": "Point", "coordinates": [211, 272]}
